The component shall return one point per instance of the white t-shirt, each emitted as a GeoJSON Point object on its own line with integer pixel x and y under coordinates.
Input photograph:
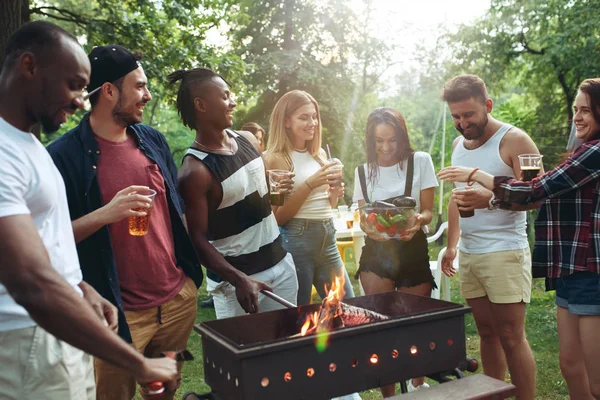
{"type": "Point", "coordinates": [31, 184]}
{"type": "Point", "coordinates": [316, 206]}
{"type": "Point", "coordinates": [391, 181]}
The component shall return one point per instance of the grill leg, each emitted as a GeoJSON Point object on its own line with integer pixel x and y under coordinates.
{"type": "Point", "coordinates": [403, 387]}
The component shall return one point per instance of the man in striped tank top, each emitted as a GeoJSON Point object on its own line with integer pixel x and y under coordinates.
{"type": "Point", "coordinates": [223, 184]}
{"type": "Point", "coordinates": [494, 262]}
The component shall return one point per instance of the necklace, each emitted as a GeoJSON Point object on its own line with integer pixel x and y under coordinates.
{"type": "Point", "coordinates": [229, 150]}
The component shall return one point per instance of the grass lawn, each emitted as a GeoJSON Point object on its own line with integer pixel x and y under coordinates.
{"type": "Point", "coordinates": [540, 326]}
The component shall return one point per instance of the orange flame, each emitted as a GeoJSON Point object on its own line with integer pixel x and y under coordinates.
{"type": "Point", "coordinates": [334, 296]}
{"type": "Point", "coordinates": [337, 292]}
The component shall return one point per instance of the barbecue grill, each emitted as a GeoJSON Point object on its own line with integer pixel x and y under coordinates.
{"type": "Point", "coordinates": [261, 356]}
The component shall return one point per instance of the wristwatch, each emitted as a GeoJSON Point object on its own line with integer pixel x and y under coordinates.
{"type": "Point", "coordinates": [494, 203]}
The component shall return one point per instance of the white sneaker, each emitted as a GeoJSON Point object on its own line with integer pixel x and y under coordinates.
{"type": "Point", "coordinates": [412, 388]}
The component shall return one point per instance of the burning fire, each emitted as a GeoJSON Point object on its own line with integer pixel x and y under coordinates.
{"type": "Point", "coordinates": [315, 321]}
{"type": "Point", "coordinates": [334, 314]}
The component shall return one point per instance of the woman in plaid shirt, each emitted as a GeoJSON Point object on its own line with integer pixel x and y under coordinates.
{"type": "Point", "coordinates": [567, 244]}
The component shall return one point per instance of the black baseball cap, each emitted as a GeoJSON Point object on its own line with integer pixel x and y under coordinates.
{"type": "Point", "coordinates": [110, 63]}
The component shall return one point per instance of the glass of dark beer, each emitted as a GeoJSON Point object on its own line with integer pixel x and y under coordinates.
{"type": "Point", "coordinates": [463, 214]}
{"type": "Point", "coordinates": [531, 164]}
{"type": "Point", "coordinates": [138, 226]}
{"type": "Point", "coordinates": [275, 177]}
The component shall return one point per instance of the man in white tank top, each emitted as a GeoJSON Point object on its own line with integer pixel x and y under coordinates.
{"type": "Point", "coordinates": [495, 263]}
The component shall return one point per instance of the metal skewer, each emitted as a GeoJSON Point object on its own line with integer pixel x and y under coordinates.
{"type": "Point", "coordinates": [278, 299]}
{"type": "Point", "coordinates": [87, 96]}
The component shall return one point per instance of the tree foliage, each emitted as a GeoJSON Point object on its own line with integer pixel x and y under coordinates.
{"type": "Point", "coordinates": [546, 48]}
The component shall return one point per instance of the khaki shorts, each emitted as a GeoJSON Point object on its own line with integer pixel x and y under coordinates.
{"type": "Point", "coordinates": [152, 333]}
{"type": "Point", "coordinates": [503, 276]}
{"type": "Point", "coordinates": [35, 365]}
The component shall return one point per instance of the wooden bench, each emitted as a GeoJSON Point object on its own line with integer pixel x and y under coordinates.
{"type": "Point", "coordinates": [473, 387]}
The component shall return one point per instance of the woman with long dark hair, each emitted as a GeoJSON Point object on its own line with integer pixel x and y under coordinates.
{"type": "Point", "coordinates": [567, 245]}
{"type": "Point", "coordinates": [393, 169]}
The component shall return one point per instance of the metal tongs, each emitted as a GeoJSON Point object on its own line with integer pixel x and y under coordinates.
{"type": "Point", "coordinates": [88, 95]}
{"type": "Point", "coordinates": [278, 299]}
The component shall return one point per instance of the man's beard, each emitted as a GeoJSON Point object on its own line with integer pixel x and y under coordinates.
{"type": "Point", "coordinates": [478, 130]}
{"type": "Point", "coordinates": [124, 117]}
{"type": "Point", "coordinates": [48, 124]}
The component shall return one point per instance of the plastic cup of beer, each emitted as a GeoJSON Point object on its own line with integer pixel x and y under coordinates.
{"type": "Point", "coordinates": [531, 164]}
{"type": "Point", "coordinates": [464, 214]}
{"type": "Point", "coordinates": [336, 169]}
{"type": "Point", "coordinates": [138, 226]}
{"type": "Point", "coordinates": [275, 177]}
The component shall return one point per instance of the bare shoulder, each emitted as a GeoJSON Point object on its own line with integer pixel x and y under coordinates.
{"type": "Point", "coordinates": [455, 142]}
{"type": "Point", "coordinates": [194, 174]}
{"type": "Point", "coordinates": [275, 161]}
{"type": "Point", "coordinates": [517, 141]}
{"type": "Point", "coordinates": [250, 137]}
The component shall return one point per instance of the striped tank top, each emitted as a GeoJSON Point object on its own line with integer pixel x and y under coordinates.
{"type": "Point", "coordinates": [243, 228]}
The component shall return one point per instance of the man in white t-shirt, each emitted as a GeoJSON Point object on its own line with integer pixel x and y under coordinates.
{"type": "Point", "coordinates": [495, 263]}
{"type": "Point", "coordinates": [47, 314]}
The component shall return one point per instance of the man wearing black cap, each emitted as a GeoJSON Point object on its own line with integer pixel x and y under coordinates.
{"type": "Point", "coordinates": [133, 249]}
{"type": "Point", "coordinates": [47, 313]}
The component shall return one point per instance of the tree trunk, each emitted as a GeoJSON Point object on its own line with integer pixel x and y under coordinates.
{"type": "Point", "coordinates": [13, 14]}
{"type": "Point", "coordinates": [569, 95]}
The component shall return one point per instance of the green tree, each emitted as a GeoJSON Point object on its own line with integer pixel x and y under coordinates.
{"type": "Point", "coordinates": [547, 48]}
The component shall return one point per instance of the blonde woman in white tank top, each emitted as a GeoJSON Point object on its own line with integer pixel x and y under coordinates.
{"type": "Point", "coordinates": [305, 219]}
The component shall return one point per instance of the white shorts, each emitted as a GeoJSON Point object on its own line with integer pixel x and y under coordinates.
{"type": "Point", "coordinates": [281, 278]}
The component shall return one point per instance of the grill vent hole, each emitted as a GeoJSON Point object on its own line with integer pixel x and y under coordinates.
{"type": "Point", "coordinates": [431, 346]}
{"type": "Point", "coordinates": [228, 376]}
{"type": "Point", "coordinates": [395, 353]}
{"type": "Point", "coordinates": [287, 377]}
{"type": "Point", "coordinates": [237, 383]}
{"type": "Point", "coordinates": [264, 382]}
{"type": "Point", "coordinates": [332, 367]}
{"type": "Point", "coordinates": [413, 350]}
{"type": "Point", "coordinates": [450, 342]}
{"type": "Point", "coordinates": [310, 372]}
{"type": "Point", "coordinates": [354, 363]}
{"type": "Point", "coordinates": [374, 359]}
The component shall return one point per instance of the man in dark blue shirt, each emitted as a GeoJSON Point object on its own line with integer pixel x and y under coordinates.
{"type": "Point", "coordinates": [107, 162]}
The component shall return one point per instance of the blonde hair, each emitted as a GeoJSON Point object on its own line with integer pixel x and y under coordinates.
{"type": "Point", "coordinates": [280, 142]}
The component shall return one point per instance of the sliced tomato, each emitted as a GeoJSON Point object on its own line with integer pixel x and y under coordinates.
{"type": "Point", "coordinates": [391, 231]}
{"type": "Point", "coordinates": [372, 219]}
{"type": "Point", "coordinates": [380, 227]}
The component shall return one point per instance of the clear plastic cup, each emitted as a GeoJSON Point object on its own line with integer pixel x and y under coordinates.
{"type": "Point", "coordinates": [138, 226]}
{"type": "Point", "coordinates": [336, 169]}
{"type": "Point", "coordinates": [275, 177]}
{"type": "Point", "coordinates": [531, 164]}
{"type": "Point", "coordinates": [464, 214]}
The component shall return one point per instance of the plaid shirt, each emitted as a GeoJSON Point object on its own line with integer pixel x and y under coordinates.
{"type": "Point", "coordinates": [567, 230]}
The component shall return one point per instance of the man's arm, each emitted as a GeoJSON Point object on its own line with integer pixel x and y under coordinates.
{"type": "Point", "coordinates": [453, 235]}
{"type": "Point", "coordinates": [194, 186]}
{"type": "Point", "coordinates": [123, 205]}
{"type": "Point", "coordinates": [30, 279]}
{"type": "Point", "coordinates": [516, 142]}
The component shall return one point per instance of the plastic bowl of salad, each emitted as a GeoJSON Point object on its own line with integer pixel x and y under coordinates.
{"type": "Point", "coordinates": [388, 219]}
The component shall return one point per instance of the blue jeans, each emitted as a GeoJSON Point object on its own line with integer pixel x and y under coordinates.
{"type": "Point", "coordinates": [313, 246]}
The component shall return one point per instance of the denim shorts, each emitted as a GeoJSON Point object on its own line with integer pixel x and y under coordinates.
{"type": "Point", "coordinates": [312, 243]}
{"type": "Point", "coordinates": [579, 293]}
